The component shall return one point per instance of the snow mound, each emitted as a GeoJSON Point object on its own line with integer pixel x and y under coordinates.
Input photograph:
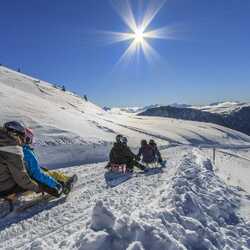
{"type": "Point", "coordinates": [195, 210]}
{"type": "Point", "coordinates": [102, 218]}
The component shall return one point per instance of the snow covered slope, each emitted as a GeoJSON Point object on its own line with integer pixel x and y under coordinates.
{"type": "Point", "coordinates": [190, 205]}
{"type": "Point", "coordinates": [71, 131]}
{"type": "Point", "coordinates": [222, 107]}
{"type": "Point", "coordinates": [187, 207]}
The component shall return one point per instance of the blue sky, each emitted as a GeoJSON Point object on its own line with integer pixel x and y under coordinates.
{"type": "Point", "coordinates": [56, 40]}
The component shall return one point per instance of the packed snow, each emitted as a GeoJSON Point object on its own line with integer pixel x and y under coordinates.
{"type": "Point", "coordinates": [192, 204]}
{"type": "Point", "coordinates": [187, 206]}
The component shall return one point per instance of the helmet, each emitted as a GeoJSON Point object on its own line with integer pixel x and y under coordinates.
{"type": "Point", "coordinates": [15, 127]}
{"type": "Point", "coordinates": [143, 143]}
{"type": "Point", "coordinates": [124, 140]}
{"type": "Point", "coordinates": [152, 142]}
{"type": "Point", "coordinates": [29, 135]}
{"type": "Point", "coordinates": [119, 138]}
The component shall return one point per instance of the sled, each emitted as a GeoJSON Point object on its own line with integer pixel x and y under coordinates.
{"type": "Point", "coordinates": [26, 200]}
{"type": "Point", "coordinates": [117, 174]}
{"type": "Point", "coordinates": [7, 203]}
{"type": "Point", "coordinates": [120, 168]}
{"type": "Point", "coordinates": [155, 164]}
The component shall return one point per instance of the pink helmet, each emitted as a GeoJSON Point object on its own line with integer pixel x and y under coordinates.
{"type": "Point", "coordinates": [29, 135]}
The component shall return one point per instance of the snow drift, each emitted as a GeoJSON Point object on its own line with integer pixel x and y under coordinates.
{"type": "Point", "coordinates": [195, 210]}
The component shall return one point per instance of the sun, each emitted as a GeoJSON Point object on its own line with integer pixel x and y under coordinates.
{"type": "Point", "coordinates": [139, 34]}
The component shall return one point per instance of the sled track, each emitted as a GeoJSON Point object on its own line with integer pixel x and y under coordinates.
{"type": "Point", "coordinates": [71, 216]}
{"type": "Point", "coordinates": [86, 193]}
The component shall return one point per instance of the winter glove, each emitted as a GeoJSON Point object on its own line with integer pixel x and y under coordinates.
{"type": "Point", "coordinates": [45, 169]}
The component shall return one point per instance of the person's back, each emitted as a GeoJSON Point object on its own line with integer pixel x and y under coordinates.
{"type": "Point", "coordinates": [119, 154]}
{"type": "Point", "coordinates": [13, 175]}
{"type": "Point", "coordinates": [147, 152]}
{"type": "Point", "coordinates": [156, 150]}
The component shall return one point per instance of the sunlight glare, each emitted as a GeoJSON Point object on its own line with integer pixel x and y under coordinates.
{"type": "Point", "coordinates": [140, 33]}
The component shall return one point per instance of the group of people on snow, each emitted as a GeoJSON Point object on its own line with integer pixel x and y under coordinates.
{"type": "Point", "coordinates": [20, 170]}
{"type": "Point", "coordinates": [19, 167]}
{"type": "Point", "coordinates": [122, 154]}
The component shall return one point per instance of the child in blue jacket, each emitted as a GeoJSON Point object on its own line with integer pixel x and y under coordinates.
{"type": "Point", "coordinates": [52, 182]}
{"type": "Point", "coordinates": [36, 173]}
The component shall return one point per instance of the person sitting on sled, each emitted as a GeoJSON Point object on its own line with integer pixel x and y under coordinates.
{"type": "Point", "coordinates": [121, 154]}
{"type": "Point", "coordinates": [53, 182]}
{"type": "Point", "coordinates": [147, 152]}
{"type": "Point", "coordinates": [14, 177]}
{"type": "Point", "coordinates": [156, 151]}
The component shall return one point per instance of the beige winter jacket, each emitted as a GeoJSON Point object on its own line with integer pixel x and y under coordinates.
{"type": "Point", "coordinates": [12, 168]}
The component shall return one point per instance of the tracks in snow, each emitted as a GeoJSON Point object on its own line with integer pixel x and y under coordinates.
{"type": "Point", "coordinates": [54, 224]}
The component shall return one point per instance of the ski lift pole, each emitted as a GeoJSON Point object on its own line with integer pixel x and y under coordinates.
{"type": "Point", "coordinates": [214, 155]}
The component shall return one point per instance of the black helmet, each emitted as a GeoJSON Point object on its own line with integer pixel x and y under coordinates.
{"type": "Point", "coordinates": [119, 138]}
{"type": "Point", "coordinates": [152, 142]}
{"type": "Point", "coordinates": [143, 143]}
{"type": "Point", "coordinates": [15, 127]}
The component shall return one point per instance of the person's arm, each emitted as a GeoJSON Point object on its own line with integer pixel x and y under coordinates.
{"type": "Point", "coordinates": [130, 153]}
{"type": "Point", "coordinates": [36, 172]}
{"type": "Point", "coordinates": [18, 171]}
{"type": "Point", "coordinates": [138, 157]}
{"type": "Point", "coordinates": [111, 155]}
{"type": "Point", "coordinates": [158, 155]}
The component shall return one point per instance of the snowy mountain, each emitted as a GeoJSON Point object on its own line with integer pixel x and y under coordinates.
{"type": "Point", "coordinates": [235, 117]}
{"type": "Point", "coordinates": [190, 204]}
{"type": "Point", "coordinates": [224, 108]}
{"type": "Point", "coordinates": [132, 110]}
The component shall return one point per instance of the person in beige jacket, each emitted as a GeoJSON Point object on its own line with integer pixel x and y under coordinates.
{"type": "Point", "coordinates": [13, 175]}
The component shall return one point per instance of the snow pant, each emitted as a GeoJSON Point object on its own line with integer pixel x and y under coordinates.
{"type": "Point", "coordinates": [19, 190]}
{"type": "Point", "coordinates": [57, 175]}
{"type": "Point", "coordinates": [133, 163]}
{"type": "Point", "coordinates": [14, 190]}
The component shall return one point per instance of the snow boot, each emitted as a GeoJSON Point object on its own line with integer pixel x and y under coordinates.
{"type": "Point", "coordinates": [68, 185]}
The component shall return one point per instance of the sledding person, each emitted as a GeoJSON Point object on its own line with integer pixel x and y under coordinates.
{"type": "Point", "coordinates": [156, 151]}
{"type": "Point", "coordinates": [147, 152]}
{"type": "Point", "coordinates": [53, 182]}
{"type": "Point", "coordinates": [121, 154]}
{"type": "Point", "coordinates": [14, 177]}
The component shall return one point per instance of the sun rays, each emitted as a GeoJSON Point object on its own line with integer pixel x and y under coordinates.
{"type": "Point", "coordinates": [140, 33]}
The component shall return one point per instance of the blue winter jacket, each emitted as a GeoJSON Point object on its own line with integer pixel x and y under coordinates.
{"type": "Point", "coordinates": [35, 170]}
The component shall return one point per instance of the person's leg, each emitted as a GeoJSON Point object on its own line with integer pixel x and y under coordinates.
{"type": "Point", "coordinates": [66, 181]}
{"type": "Point", "coordinates": [138, 165]}
{"type": "Point", "coordinates": [52, 191]}
{"type": "Point", "coordinates": [133, 163]}
{"type": "Point", "coordinates": [14, 190]}
{"type": "Point", "coordinates": [58, 176]}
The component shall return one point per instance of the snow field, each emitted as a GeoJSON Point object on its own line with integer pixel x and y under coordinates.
{"type": "Point", "coordinates": [188, 206]}
{"type": "Point", "coordinates": [185, 207]}
{"type": "Point", "coordinates": [70, 131]}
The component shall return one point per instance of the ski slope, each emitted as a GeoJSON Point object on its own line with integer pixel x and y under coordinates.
{"type": "Point", "coordinates": [192, 205]}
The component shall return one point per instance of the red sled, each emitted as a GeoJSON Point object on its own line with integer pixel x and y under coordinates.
{"type": "Point", "coordinates": [120, 168]}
